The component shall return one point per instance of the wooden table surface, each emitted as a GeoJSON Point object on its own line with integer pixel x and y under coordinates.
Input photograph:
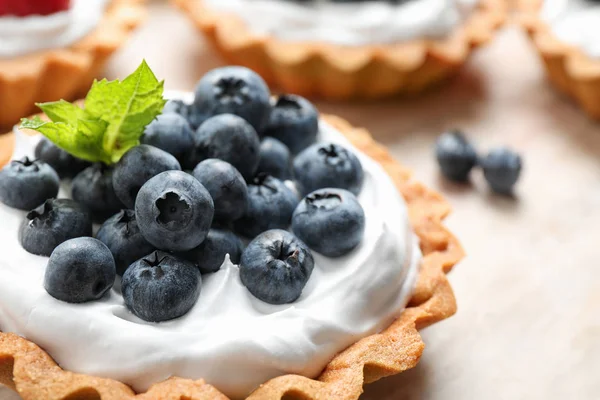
{"type": "Point", "coordinates": [528, 321]}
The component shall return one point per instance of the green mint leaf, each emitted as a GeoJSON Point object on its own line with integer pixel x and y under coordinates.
{"type": "Point", "coordinates": [127, 106]}
{"type": "Point", "coordinates": [83, 139]}
{"type": "Point", "coordinates": [112, 121]}
{"type": "Point", "coordinates": [62, 111]}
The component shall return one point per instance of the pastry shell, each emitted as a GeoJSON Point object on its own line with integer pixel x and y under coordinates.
{"type": "Point", "coordinates": [318, 69]}
{"type": "Point", "coordinates": [30, 371]}
{"type": "Point", "coordinates": [65, 73]}
{"type": "Point", "coordinates": [570, 70]}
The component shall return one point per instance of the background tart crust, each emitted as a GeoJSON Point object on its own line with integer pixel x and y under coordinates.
{"type": "Point", "coordinates": [64, 73]}
{"type": "Point", "coordinates": [318, 69]}
{"type": "Point", "coordinates": [567, 67]}
{"type": "Point", "coordinates": [30, 371]}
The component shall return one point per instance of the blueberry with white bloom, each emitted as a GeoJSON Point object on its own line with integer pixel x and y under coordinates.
{"type": "Point", "coordinates": [161, 287]}
{"type": "Point", "coordinates": [294, 121]}
{"type": "Point", "coordinates": [324, 165]}
{"type": "Point", "coordinates": [52, 223]}
{"type": "Point", "coordinates": [65, 165]}
{"type": "Point", "coordinates": [270, 206]}
{"type": "Point", "coordinates": [330, 221]}
{"type": "Point", "coordinates": [226, 186]}
{"type": "Point", "coordinates": [136, 167]}
{"type": "Point", "coordinates": [25, 184]}
{"type": "Point", "coordinates": [93, 189]}
{"type": "Point", "coordinates": [209, 256]}
{"type": "Point", "coordinates": [174, 211]}
{"type": "Point", "coordinates": [228, 138]}
{"type": "Point", "coordinates": [80, 270]}
{"type": "Point", "coordinates": [121, 234]}
{"type": "Point", "coordinates": [276, 266]}
{"type": "Point", "coordinates": [275, 159]}
{"type": "Point", "coordinates": [169, 132]}
{"type": "Point", "coordinates": [234, 90]}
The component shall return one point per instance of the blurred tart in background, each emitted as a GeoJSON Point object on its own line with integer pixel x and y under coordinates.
{"type": "Point", "coordinates": [566, 34]}
{"type": "Point", "coordinates": [52, 49]}
{"type": "Point", "coordinates": [348, 49]}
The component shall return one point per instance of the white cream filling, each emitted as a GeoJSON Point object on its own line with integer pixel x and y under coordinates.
{"type": "Point", "coordinates": [20, 36]}
{"type": "Point", "coordinates": [351, 24]}
{"type": "Point", "coordinates": [576, 22]}
{"type": "Point", "coordinates": [232, 340]}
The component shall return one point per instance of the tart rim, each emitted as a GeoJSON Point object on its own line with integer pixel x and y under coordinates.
{"type": "Point", "coordinates": [30, 371]}
{"type": "Point", "coordinates": [343, 72]}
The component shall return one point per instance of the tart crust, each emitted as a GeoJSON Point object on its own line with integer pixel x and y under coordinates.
{"type": "Point", "coordinates": [318, 69]}
{"type": "Point", "coordinates": [30, 371]}
{"type": "Point", "coordinates": [570, 70]}
{"type": "Point", "coordinates": [64, 73]}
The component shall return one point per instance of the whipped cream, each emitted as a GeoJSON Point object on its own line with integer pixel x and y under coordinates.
{"type": "Point", "coordinates": [351, 24]}
{"type": "Point", "coordinates": [576, 22]}
{"type": "Point", "coordinates": [20, 36]}
{"type": "Point", "coordinates": [229, 338]}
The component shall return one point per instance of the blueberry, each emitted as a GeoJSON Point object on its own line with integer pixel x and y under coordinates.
{"type": "Point", "coordinates": [121, 234]}
{"type": "Point", "coordinates": [270, 206]}
{"type": "Point", "coordinates": [80, 270]}
{"type": "Point", "coordinates": [275, 159]}
{"type": "Point", "coordinates": [226, 187]}
{"type": "Point", "coordinates": [455, 156]}
{"type": "Point", "coordinates": [65, 165]}
{"type": "Point", "coordinates": [137, 166]}
{"type": "Point", "coordinates": [234, 90]}
{"type": "Point", "coordinates": [196, 117]}
{"type": "Point", "coordinates": [93, 188]}
{"type": "Point", "coordinates": [276, 266]}
{"type": "Point", "coordinates": [171, 133]}
{"type": "Point", "coordinates": [209, 256]}
{"type": "Point", "coordinates": [228, 138]}
{"type": "Point", "coordinates": [294, 121]}
{"type": "Point", "coordinates": [174, 211]}
{"type": "Point", "coordinates": [25, 184]}
{"type": "Point", "coordinates": [328, 165]}
{"type": "Point", "coordinates": [501, 168]}
{"type": "Point", "coordinates": [175, 106]}
{"type": "Point", "coordinates": [330, 221]}
{"type": "Point", "coordinates": [160, 287]}
{"type": "Point", "coordinates": [52, 223]}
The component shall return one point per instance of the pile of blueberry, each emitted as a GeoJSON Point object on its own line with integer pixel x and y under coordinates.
{"type": "Point", "coordinates": [234, 162]}
{"type": "Point", "coordinates": [456, 157]}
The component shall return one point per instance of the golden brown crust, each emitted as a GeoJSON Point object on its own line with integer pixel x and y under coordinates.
{"type": "Point", "coordinates": [568, 68]}
{"type": "Point", "coordinates": [64, 73]}
{"type": "Point", "coordinates": [396, 349]}
{"type": "Point", "coordinates": [342, 72]}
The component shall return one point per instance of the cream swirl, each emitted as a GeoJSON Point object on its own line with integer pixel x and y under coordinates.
{"type": "Point", "coordinates": [20, 36]}
{"type": "Point", "coordinates": [230, 339]}
{"type": "Point", "coordinates": [575, 22]}
{"type": "Point", "coordinates": [351, 24]}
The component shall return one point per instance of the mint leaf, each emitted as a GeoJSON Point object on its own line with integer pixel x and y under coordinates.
{"type": "Point", "coordinates": [83, 139]}
{"type": "Point", "coordinates": [112, 121]}
{"type": "Point", "coordinates": [62, 111]}
{"type": "Point", "coordinates": [128, 106]}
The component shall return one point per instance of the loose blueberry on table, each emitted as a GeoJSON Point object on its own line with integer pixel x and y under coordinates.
{"type": "Point", "coordinates": [163, 228]}
{"type": "Point", "coordinates": [455, 155]}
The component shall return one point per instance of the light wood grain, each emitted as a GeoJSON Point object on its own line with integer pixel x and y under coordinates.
{"type": "Point", "coordinates": [528, 325]}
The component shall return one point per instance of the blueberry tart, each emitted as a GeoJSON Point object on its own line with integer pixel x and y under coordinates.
{"type": "Point", "coordinates": [224, 280]}
{"type": "Point", "coordinates": [348, 49]}
{"type": "Point", "coordinates": [53, 49]}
